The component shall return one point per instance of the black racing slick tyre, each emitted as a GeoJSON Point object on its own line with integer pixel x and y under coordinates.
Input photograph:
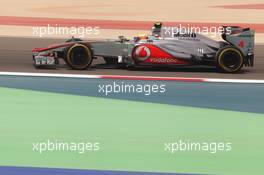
{"type": "Point", "coordinates": [79, 57]}
{"type": "Point", "coordinates": [229, 59]}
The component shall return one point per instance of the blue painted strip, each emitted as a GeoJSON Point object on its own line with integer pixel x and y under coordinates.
{"type": "Point", "coordinates": [8, 170]}
{"type": "Point", "coordinates": [235, 97]}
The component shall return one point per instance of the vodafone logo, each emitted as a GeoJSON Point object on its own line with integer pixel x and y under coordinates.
{"type": "Point", "coordinates": [163, 60]}
{"type": "Point", "coordinates": [142, 53]}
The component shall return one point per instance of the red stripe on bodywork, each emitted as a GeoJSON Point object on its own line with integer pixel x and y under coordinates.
{"type": "Point", "coordinates": [116, 77]}
{"type": "Point", "coordinates": [51, 47]}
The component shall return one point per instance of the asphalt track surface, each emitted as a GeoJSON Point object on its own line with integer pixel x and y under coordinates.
{"type": "Point", "coordinates": [15, 56]}
{"type": "Point", "coordinates": [225, 96]}
{"type": "Point", "coordinates": [56, 171]}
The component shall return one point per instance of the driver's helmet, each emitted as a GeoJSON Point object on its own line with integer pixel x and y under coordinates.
{"type": "Point", "coordinates": [157, 25]}
{"type": "Point", "coordinates": [156, 29]}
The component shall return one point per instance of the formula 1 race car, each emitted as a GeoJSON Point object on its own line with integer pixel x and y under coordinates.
{"type": "Point", "coordinates": [157, 49]}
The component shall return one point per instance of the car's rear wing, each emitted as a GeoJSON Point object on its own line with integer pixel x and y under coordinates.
{"type": "Point", "coordinates": [242, 38]}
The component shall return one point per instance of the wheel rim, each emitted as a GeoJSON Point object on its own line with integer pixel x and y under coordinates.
{"type": "Point", "coordinates": [79, 57]}
{"type": "Point", "coordinates": [231, 60]}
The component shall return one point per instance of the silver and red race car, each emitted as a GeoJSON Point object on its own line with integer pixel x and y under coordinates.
{"type": "Point", "coordinates": [158, 49]}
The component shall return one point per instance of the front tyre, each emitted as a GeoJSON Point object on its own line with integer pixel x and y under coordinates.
{"type": "Point", "coordinates": [79, 57]}
{"type": "Point", "coordinates": [229, 59]}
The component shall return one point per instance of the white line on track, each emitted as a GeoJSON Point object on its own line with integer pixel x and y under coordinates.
{"type": "Point", "coordinates": [118, 77]}
{"type": "Point", "coordinates": [28, 74]}
{"type": "Point", "coordinates": [216, 80]}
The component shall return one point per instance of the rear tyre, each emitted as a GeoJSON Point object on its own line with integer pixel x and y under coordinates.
{"type": "Point", "coordinates": [79, 57]}
{"type": "Point", "coordinates": [229, 59]}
